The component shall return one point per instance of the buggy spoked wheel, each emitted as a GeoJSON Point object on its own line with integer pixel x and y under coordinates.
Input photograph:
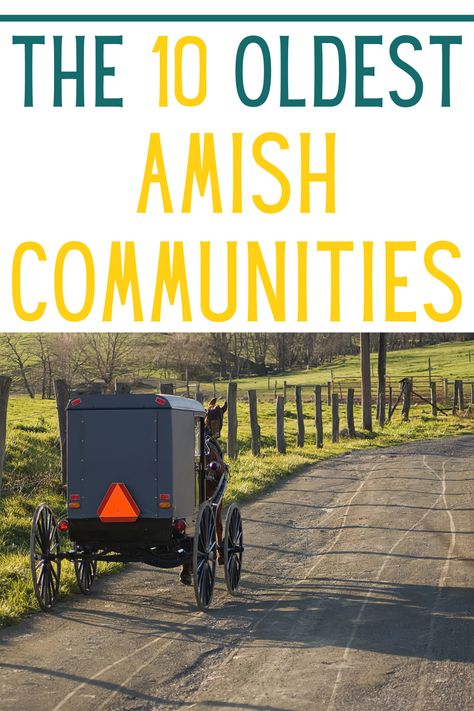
{"type": "Point", "coordinates": [204, 556]}
{"type": "Point", "coordinates": [85, 569]}
{"type": "Point", "coordinates": [44, 556]}
{"type": "Point", "coordinates": [233, 548]}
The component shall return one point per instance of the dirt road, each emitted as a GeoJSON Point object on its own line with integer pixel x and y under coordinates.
{"type": "Point", "coordinates": [358, 594]}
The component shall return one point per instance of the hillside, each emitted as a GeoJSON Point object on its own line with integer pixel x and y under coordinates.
{"type": "Point", "coordinates": [448, 360]}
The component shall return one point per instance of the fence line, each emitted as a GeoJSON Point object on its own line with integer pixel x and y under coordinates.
{"type": "Point", "coordinates": [409, 393]}
{"type": "Point", "coordinates": [406, 398]}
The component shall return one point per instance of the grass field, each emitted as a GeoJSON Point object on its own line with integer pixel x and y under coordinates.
{"type": "Point", "coordinates": [33, 459]}
{"type": "Point", "coordinates": [448, 360]}
{"type": "Point", "coordinates": [32, 475]}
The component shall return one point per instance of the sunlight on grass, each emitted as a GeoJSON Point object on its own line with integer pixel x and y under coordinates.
{"type": "Point", "coordinates": [16, 588]}
{"type": "Point", "coordinates": [32, 474]}
{"type": "Point", "coordinates": [454, 359]}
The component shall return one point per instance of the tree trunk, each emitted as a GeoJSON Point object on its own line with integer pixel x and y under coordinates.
{"type": "Point", "coordinates": [62, 398]}
{"type": "Point", "coordinates": [366, 391]}
{"type": "Point", "coordinates": [5, 383]}
{"type": "Point", "coordinates": [382, 377]}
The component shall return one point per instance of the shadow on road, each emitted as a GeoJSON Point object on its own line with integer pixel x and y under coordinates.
{"type": "Point", "coordinates": [307, 613]}
{"type": "Point", "coordinates": [131, 692]}
{"type": "Point", "coordinates": [396, 617]}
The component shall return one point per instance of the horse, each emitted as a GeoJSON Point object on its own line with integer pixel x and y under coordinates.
{"type": "Point", "coordinates": [214, 419]}
{"type": "Point", "coordinates": [215, 468]}
{"type": "Point", "coordinates": [215, 465]}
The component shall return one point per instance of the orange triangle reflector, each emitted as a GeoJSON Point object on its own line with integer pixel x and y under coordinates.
{"type": "Point", "coordinates": [118, 505]}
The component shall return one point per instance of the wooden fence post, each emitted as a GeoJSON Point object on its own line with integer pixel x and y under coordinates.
{"type": "Point", "coordinates": [280, 424]}
{"type": "Point", "coordinates": [381, 407]}
{"type": "Point", "coordinates": [335, 417]}
{"type": "Point", "coordinates": [122, 388]}
{"type": "Point", "coordinates": [366, 385]}
{"type": "Point", "coordinates": [254, 426]}
{"type": "Point", "coordinates": [390, 401]}
{"type": "Point", "coordinates": [167, 389]}
{"type": "Point", "coordinates": [187, 382]}
{"type": "Point", "coordinates": [350, 412]}
{"type": "Point", "coordinates": [461, 395]}
{"type": "Point", "coordinates": [434, 410]}
{"type": "Point", "coordinates": [445, 385]}
{"type": "Point", "coordinates": [318, 407]}
{"type": "Point", "coordinates": [472, 393]}
{"type": "Point", "coordinates": [61, 392]}
{"type": "Point", "coordinates": [299, 415]}
{"type": "Point", "coordinates": [284, 390]}
{"type": "Point", "coordinates": [214, 391]}
{"type": "Point", "coordinates": [232, 420]}
{"type": "Point", "coordinates": [455, 397]}
{"type": "Point", "coordinates": [329, 392]}
{"type": "Point", "coordinates": [199, 396]}
{"type": "Point", "coordinates": [407, 387]}
{"type": "Point", "coordinates": [276, 384]}
{"type": "Point", "coordinates": [5, 383]}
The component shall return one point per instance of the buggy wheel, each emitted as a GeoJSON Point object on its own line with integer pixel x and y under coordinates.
{"type": "Point", "coordinates": [85, 569]}
{"type": "Point", "coordinates": [44, 556]}
{"type": "Point", "coordinates": [204, 556]}
{"type": "Point", "coordinates": [233, 548]}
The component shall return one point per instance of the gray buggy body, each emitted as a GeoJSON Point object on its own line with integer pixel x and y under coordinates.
{"type": "Point", "coordinates": [153, 444]}
{"type": "Point", "coordinates": [140, 488]}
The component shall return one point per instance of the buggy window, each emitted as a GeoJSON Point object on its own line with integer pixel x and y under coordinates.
{"type": "Point", "coordinates": [197, 438]}
{"type": "Point", "coordinates": [198, 459]}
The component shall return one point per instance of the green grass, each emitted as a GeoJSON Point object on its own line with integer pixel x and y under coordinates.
{"type": "Point", "coordinates": [16, 589]}
{"type": "Point", "coordinates": [32, 475]}
{"type": "Point", "coordinates": [251, 475]}
{"type": "Point", "coordinates": [32, 459]}
{"type": "Point", "coordinates": [448, 360]}
{"type": "Point", "coordinates": [33, 462]}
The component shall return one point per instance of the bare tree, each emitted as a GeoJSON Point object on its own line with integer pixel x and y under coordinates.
{"type": "Point", "coordinates": [17, 355]}
{"type": "Point", "coordinates": [41, 346]}
{"type": "Point", "coordinates": [107, 356]}
{"type": "Point", "coordinates": [219, 346]}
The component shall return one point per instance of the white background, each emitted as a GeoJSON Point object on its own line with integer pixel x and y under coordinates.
{"type": "Point", "coordinates": [75, 173]}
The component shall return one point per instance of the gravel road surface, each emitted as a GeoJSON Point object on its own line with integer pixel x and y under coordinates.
{"type": "Point", "coordinates": [358, 593]}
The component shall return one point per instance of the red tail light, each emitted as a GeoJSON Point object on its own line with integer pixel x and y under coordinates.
{"type": "Point", "coordinates": [63, 525]}
{"type": "Point", "coordinates": [160, 401]}
{"type": "Point", "coordinates": [77, 401]}
{"type": "Point", "coordinates": [180, 525]}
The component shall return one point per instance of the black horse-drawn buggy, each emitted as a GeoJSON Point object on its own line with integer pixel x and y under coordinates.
{"type": "Point", "coordinates": [144, 484]}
